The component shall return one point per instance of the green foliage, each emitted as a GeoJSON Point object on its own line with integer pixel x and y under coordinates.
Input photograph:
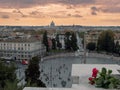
{"type": "Point", "coordinates": [117, 48]}
{"type": "Point", "coordinates": [32, 73]}
{"type": "Point", "coordinates": [53, 44]}
{"type": "Point", "coordinates": [12, 85]}
{"type": "Point", "coordinates": [7, 73]}
{"type": "Point", "coordinates": [91, 46]}
{"type": "Point", "coordinates": [74, 42]}
{"type": "Point", "coordinates": [29, 84]}
{"type": "Point", "coordinates": [81, 34]}
{"type": "Point", "coordinates": [45, 41]}
{"type": "Point", "coordinates": [106, 41]}
{"type": "Point", "coordinates": [106, 80]}
{"type": "Point", "coordinates": [59, 45]}
{"type": "Point", "coordinates": [70, 41]}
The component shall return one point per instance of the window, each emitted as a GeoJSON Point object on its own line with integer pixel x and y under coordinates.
{"type": "Point", "coordinates": [28, 48]}
{"type": "Point", "coordinates": [21, 48]}
{"type": "Point", "coordinates": [22, 55]}
{"type": "Point", "coordinates": [29, 45]}
{"type": "Point", "coordinates": [18, 48]}
{"type": "Point", "coordinates": [29, 56]}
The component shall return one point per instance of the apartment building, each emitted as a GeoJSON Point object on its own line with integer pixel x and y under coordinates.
{"type": "Point", "coordinates": [117, 37]}
{"type": "Point", "coordinates": [92, 37]}
{"type": "Point", "coordinates": [21, 48]}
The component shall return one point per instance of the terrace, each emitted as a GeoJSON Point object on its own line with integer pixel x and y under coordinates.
{"type": "Point", "coordinates": [80, 74]}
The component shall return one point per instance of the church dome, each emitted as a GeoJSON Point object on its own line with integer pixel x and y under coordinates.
{"type": "Point", "coordinates": [52, 24]}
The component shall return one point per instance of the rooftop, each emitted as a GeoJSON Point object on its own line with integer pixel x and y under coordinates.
{"type": "Point", "coordinates": [20, 39]}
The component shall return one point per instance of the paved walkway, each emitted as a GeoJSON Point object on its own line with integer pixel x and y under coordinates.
{"type": "Point", "coordinates": [97, 55]}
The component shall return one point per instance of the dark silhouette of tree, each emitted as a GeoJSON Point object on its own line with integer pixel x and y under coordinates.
{"type": "Point", "coordinates": [32, 73]}
{"type": "Point", "coordinates": [117, 48]}
{"type": "Point", "coordinates": [71, 41]}
{"type": "Point", "coordinates": [106, 41]}
{"type": "Point", "coordinates": [68, 41]}
{"type": "Point", "coordinates": [45, 41]}
{"type": "Point", "coordinates": [74, 42]}
{"type": "Point", "coordinates": [91, 46]}
{"type": "Point", "coordinates": [59, 45]}
{"type": "Point", "coordinates": [53, 44]}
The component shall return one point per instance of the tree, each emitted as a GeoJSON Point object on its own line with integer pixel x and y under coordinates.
{"type": "Point", "coordinates": [53, 44]}
{"type": "Point", "coordinates": [7, 73]}
{"type": "Point", "coordinates": [32, 73]}
{"type": "Point", "coordinates": [59, 45]}
{"type": "Point", "coordinates": [106, 41]}
{"type": "Point", "coordinates": [117, 48]}
{"type": "Point", "coordinates": [91, 46]}
{"type": "Point", "coordinates": [74, 42]}
{"type": "Point", "coordinates": [13, 85]}
{"type": "Point", "coordinates": [68, 41]}
{"type": "Point", "coordinates": [45, 41]}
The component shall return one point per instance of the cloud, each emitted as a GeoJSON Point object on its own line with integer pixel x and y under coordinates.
{"type": "Point", "coordinates": [110, 9]}
{"type": "Point", "coordinates": [34, 13]}
{"type": "Point", "coordinates": [52, 14]}
{"type": "Point", "coordinates": [77, 16]}
{"type": "Point", "coordinates": [94, 10]}
{"type": "Point", "coordinates": [108, 2]}
{"type": "Point", "coordinates": [74, 15]}
{"type": "Point", "coordinates": [19, 12]}
{"type": "Point", "coordinates": [93, 13]}
{"type": "Point", "coordinates": [69, 15]}
{"type": "Point", "coordinates": [70, 7]}
{"type": "Point", "coordinates": [77, 2]}
{"type": "Point", "coordinates": [77, 11]}
{"type": "Point", "coordinates": [109, 6]}
{"type": "Point", "coordinates": [5, 17]}
{"type": "Point", "coordinates": [32, 3]}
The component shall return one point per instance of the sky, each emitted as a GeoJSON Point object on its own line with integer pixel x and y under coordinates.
{"type": "Point", "coordinates": [62, 12]}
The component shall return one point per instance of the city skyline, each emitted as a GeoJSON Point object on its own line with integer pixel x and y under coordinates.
{"type": "Point", "coordinates": [62, 12]}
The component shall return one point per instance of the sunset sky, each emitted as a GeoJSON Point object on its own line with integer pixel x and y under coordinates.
{"type": "Point", "coordinates": [62, 12]}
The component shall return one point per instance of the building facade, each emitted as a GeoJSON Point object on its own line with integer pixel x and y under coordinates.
{"type": "Point", "coordinates": [117, 37]}
{"type": "Point", "coordinates": [20, 49]}
{"type": "Point", "coordinates": [92, 37]}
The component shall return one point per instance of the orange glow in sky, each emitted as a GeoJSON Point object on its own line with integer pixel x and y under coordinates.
{"type": "Point", "coordinates": [62, 12]}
